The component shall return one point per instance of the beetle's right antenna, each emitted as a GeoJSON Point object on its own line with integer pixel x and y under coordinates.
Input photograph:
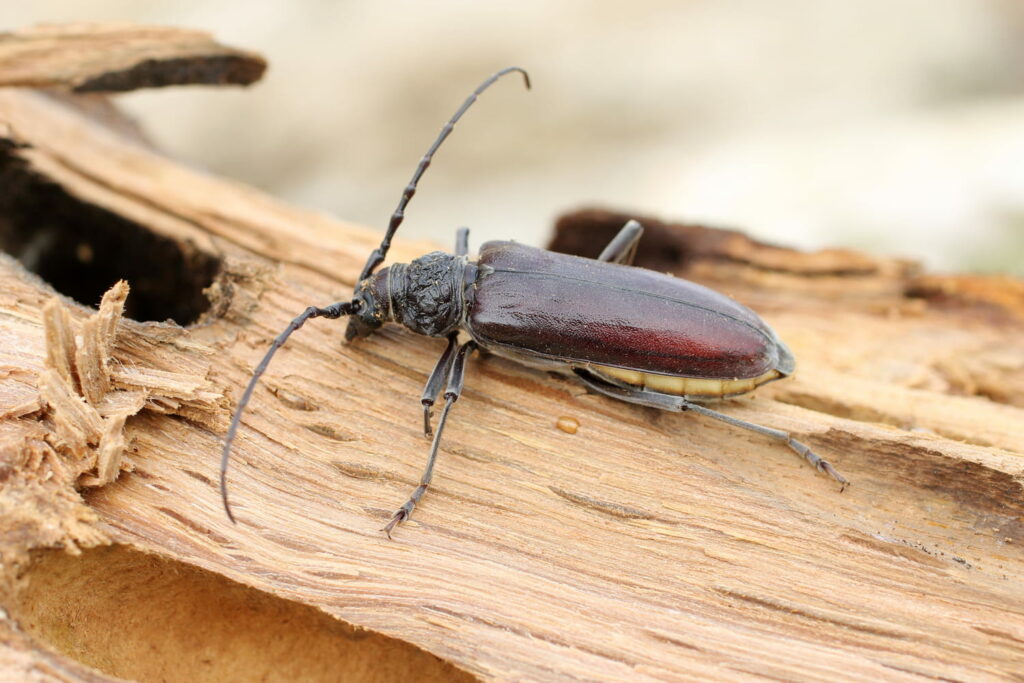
{"type": "Point", "coordinates": [377, 257]}
{"type": "Point", "coordinates": [333, 311]}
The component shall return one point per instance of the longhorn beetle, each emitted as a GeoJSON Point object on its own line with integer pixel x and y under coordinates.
{"type": "Point", "coordinates": [625, 332]}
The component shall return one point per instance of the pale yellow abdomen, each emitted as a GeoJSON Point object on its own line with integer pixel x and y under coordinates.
{"type": "Point", "coordinates": [685, 386]}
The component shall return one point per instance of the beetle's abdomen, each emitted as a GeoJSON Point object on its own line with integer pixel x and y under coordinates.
{"type": "Point", "coordinates": [689, 387]}
{"type": "Point", "coordinates": [534, 302]}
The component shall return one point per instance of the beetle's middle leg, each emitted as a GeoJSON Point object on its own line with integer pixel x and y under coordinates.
{"type": "Point", "coordinates": [451, 394]}
{"type": "Point", "coordinates": [462, 242]}
{"type": "Point", "coordinates": [678, 403]}
{"type": "Point", "coordinates": [622, 248]}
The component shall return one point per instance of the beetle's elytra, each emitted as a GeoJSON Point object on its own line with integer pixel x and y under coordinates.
{"type": "Point", "coordinates": [626, 332]}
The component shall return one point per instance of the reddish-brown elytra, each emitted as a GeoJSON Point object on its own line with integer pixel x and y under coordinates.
{"type": "Point", "coordinates": [625, 332]}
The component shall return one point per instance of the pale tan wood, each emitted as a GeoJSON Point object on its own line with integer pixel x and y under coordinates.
{"type": "Point", "coordinates": [105, 57]}
{"type": "Point", "coordinates": [153, 619]}
{"type": "Point", "coordinates": [23, 659]}
{"type": "Point", "coordinates": [646, 546]}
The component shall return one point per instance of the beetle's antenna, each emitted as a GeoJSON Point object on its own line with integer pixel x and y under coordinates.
{"type": "Point", "coordinates": [335, 310]}
{"type": "Point", "coordinates": [377, 257]}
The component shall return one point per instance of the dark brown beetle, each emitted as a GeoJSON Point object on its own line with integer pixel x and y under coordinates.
{"type": "Point", "coordinates": [626, 332]}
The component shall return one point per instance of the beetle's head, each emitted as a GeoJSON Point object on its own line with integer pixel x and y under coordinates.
{"type": "Point", "coordinates": [425, 296]}
{"type": "Point", "coordinates": [374, 300]}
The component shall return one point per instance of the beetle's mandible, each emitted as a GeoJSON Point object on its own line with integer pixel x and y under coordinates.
{"type": "Point", "coordinates": [625, 332]}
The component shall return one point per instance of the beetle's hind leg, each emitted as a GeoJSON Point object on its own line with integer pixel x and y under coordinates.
{"type": "Point", "coordinates": [622, 248]}
{"type": "Point", "coordinates": [678, 403]}
{"type": "Point", "coordinates": [801, 449]}
{"type": "Point", "coordinates": [451, 394]}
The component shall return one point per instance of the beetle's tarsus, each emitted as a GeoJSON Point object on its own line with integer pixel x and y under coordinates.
{"type": "Point", "coordinates": [843, 482]}
{"type": "Point", "coordinates": [818, 462]}
{"type": "Point", "coordinates": [405, 512]}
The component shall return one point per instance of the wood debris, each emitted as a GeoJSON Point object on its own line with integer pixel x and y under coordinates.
{"type": "Point", "coordinates": [89, 414]}
{"type": "Point", "coordinates": [115, 57]}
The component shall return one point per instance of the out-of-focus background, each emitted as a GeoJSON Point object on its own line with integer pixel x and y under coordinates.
{"type": "Point", "coordinates": [896, 127]}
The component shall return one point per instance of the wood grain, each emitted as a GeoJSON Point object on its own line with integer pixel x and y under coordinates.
{"type": "Point", "coordinates": [644, 546]}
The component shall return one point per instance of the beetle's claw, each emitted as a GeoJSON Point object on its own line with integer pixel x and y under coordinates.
{"type": "Point", "coordinates": [826, 466]}
{"type": "Point", "coordinates": [403, 513]}
{"type": "Point", "coordinates": [819, 463]}
{"type": "Point", "coordinates": [397, 519]}
{"type": "Point", "coordinates": [843, 482]}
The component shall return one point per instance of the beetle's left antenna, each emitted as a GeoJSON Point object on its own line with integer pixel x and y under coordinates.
{"type": "Point", "coordinates": [335, 310]}
{"type": "Point", "coordinates": [377, 257]}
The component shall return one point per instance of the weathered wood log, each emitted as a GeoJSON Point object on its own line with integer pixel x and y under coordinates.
{"type": "Point", "coordinates": [646, 545]}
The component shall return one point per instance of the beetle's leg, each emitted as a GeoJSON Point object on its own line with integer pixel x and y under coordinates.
{"type": "Point", "coordinates": [819, 463]}
{"type": "Point", "coordinates": [622, 248]}
{"type": "Point", "coordinates": [437, 378]}
{"type": "Point", "coordinates": [462, 242]}
{"type": "Point", "coordinates": [669, 402]}
{"type": "Point", "coordinates": [451, 394]}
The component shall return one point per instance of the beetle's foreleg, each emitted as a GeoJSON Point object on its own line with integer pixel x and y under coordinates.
{"type": "Point", "coordinates": [803, 450]}
{"type": "Point", "coordinates": [436, 380]}
{"type": "Point", "coordinates": [451, 394]}
{"type": "Point", "coordinates": [622, 248]}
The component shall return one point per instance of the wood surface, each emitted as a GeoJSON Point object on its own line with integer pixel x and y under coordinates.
{"type": "Point", "coordinates": [96, 57]}
{"type": "Point", "coordinates": [644, 546]}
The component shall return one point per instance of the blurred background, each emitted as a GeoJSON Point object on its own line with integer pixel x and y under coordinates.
{"type": "Point", "coordinates": [895, 127]}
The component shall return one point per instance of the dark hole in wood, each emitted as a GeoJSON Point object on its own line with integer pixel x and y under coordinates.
{"type": "Point", "coordinates": [81, 249]}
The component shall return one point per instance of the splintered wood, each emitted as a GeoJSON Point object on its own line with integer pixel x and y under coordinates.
{"type": "Point", "coordinates": [645, 546]}
{"type": "Point", "coordinates": [92, 57]}
{"type": "Point", "coordinates": [66, 421]}
{"type": "Point", "coordinates": [89, 401]}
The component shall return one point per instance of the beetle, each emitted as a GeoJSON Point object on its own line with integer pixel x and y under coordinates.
{"type": "Point", "coordinates": [625, 332]}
